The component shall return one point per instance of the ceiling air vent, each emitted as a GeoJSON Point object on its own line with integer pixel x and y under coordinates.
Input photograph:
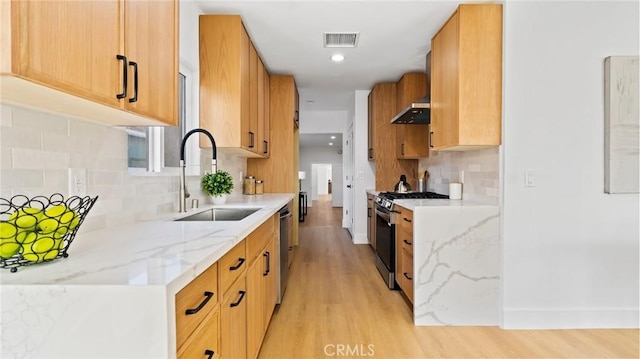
{"type": "Point", "coordinates": [341, 39]}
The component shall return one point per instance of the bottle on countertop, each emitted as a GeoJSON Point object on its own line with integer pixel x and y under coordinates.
{"type": "Point", "coordinates": [259, 187]}
{"type": "Point", "coordinates": [249, 185]}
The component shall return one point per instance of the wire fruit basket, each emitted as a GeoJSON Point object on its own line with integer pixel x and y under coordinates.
{"type": "Point", "coordinates": [39, 229]}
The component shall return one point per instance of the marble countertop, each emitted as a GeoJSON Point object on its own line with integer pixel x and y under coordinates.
{"type": "Point", "coordinates": [373, 192]}
{"type": "Point", "coordinates": [411, 204]}
{"type": "Point", "coordinates": [161, 252]}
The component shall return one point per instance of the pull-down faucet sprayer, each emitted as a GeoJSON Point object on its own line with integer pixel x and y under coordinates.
{"type": "Point", "coordinates": [214, 165]}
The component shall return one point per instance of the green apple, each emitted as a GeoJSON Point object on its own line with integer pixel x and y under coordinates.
{"type": "Point", "coordinates": [42, 245]}
{"type": "Point", "coordinates": [60, 232]}
{"type": "Point", "coordinates": [8, 230]}
{"type": "Point", "coordinates": [67, 217]}
{"type": "Point", "coordinates": [55, 211]}
{"type": "Point", "coordinates": [48, 225]}
{"type": "Point", "coordinates": [26, 237]}
{"type": "Point", "coordinates": [40, 257]}
{"type": "Point", "coordinates": [26, 218]}
{"type": "Point", "coordinates": [8, 249]}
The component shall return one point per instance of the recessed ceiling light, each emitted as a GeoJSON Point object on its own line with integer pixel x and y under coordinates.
{"type": "Point", "coordinates": [337, 58]}
{"type": "Point", "coordinates": [330, 143]}
{"type": "Point", "coordinates": [333, 137]}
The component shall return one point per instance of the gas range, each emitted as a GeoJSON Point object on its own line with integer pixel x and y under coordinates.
{"type": "Point", "coordinates": [385, 199]}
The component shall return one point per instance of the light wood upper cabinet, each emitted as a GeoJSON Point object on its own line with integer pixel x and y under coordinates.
{"type": "Point", "coordinates": [281, 168]}
{"type": "Point", "coordinates": [151, 46]}
{"type": "Point", "coordinates": [266, 133]}
{"type": "Point", "coordinates": [466, 88]}
{"type": "Point", "coordinates": [371, 130]}
{"type": "Point", "coordinates": [62, 56]}
{"type": "Point", "coordinates": [411, 140]}
{"type": "Point", "coordinates": [232, 78]}
{"type": "Point", "coordinates": [382, 100]}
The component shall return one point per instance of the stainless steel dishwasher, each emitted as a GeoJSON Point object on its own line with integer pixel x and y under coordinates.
{"type": "Point", "coordinates": [285, 223]}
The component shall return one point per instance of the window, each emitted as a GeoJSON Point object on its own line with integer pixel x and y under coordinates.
{"type": "Point", "coordinates": [157, 149]}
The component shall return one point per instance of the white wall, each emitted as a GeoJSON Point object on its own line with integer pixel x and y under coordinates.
{"type": "Point", "coordinates": [570, 251]}
{"type": "Point", "coordinates": [323, 121]}
{"type": "Point", "coordinates": [361, 166]}
{"type": "Point", "coordinates": [320, 155]}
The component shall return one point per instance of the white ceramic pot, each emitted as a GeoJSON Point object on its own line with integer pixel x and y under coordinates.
{"type": "Point", "coordinates": [221, 199]}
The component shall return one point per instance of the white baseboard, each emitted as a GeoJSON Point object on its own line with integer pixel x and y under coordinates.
{"type": "Point", "coordinates": [360, 239]}
{"type": "Point", "coordinates": [570, 318]}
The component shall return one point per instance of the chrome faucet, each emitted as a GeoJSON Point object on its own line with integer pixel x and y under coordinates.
{"type": "Point", "coordinates": [184, 194]}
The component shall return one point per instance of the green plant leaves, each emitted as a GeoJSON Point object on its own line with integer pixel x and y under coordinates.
{"type": "Point", "coordinates": [215, 184]}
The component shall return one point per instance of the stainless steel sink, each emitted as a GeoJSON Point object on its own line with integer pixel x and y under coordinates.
{"type": "Point", "coordinates": [221, 214]}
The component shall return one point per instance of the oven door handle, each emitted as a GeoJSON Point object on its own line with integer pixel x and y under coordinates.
{"type": "Point", "coordinates": [385, 216]}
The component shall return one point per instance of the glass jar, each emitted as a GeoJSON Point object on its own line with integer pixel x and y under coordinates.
{"type": "Point", "coordinates": [259, 187]}
{"type": "Point", "coordinates": [250, 185]}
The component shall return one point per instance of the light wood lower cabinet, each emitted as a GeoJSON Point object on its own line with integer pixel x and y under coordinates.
{"type": "Point", "coordinates": [226, 310]}
{"type": "Point", "coordinates": [204, 342]}
{"type": "Point", "coordinates": [261, 285]}
{"type": "Point", "coordinates": [194, 302]}
{"type": "Point", "coordinates": [233, 321]}
{"type": "Point", "coordinates": [404, 251]}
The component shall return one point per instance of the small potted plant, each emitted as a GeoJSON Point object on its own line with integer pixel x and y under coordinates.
{"type": "Point", "coordinates": [217, 185]}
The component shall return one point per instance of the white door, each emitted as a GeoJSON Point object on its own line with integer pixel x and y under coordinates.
{"type": "Point", "coordinates": [347, 218]}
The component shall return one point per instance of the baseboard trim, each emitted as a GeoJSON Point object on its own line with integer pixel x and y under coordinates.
{"type": "Point", "coordinates": [360, 239]}
{"type": "Point", "coordinates": [570, 318]}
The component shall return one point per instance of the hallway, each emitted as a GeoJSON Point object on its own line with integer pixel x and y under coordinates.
{"type": "Point", "coordinates": [336, 305]}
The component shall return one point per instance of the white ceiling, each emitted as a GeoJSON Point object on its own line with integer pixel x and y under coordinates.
{"type": "Point", "coordinates": [395, 37]}
{"type": "Point", "coordinates": [316, 140]}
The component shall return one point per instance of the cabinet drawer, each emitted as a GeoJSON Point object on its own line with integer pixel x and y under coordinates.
{"type": "Point", "coordinates": [258, 239]}
{"type": "Point", "coordinates": [405, 239]}
{"type": "Point", "coordinates": [197, 299]}
{"type": "Point", "coordinates": [231, 266]}
{"type": "Point", "coordinates": [407, 274]}
{"type": "Point", "coordinates": [204, 341]}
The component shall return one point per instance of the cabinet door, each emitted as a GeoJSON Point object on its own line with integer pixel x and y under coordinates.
{"type": "Point", "coordinates": [255, 306]}
{"type": "Point", "coordinates": [266, 118]}
{"type": "Point", "coordinates": [253, 100]}
{"type": "Point", "coordinates": [152, 52]}
{"type": "Point", "coordinates": [233, 322]}
{"type": "Point", "coordinates": [407, 274]}
{"type": "Point", "coordinates": [271, 284]}
{"type": "Point", "coordinates": [412, 141]}
{"type": "Point", "coordinates": [71, 46]}
{"type": "Point", "coordinates": [444, 97]}
{"type": "Point", "coordinates": [371, 131]}
{"type": "Point", "coordinates": [260, 144]}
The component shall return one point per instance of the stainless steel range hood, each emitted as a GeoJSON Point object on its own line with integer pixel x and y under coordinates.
{"type": "Point", "coordinates": [418, 113]}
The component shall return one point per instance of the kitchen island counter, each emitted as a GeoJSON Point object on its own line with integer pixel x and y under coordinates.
{"type": "Point", "coordinates": [456, 261]}
{"type": "Point", "coordinates": [115, 294]}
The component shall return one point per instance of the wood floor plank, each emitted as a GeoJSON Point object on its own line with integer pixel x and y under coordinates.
{"type": "Point", "coordinates": [335, 296]}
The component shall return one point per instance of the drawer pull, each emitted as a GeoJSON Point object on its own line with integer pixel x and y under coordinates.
{"type": "Point", "coordinates": [237, 266]}
{"type": "Point", "coordinates": [207, 297]}
{"type": "Point", "coordinates": [406, 276]}
{"type": "Point", "coordinates": [242, 293]}
{"type": "Point", "coordinates": [406, 219]}
{"type": "Point", "coordinates": [209, 353]}
{"type": "Point", "coordinates": [406, 242]}
{"type": "Point", "coordinates": [267, 255]}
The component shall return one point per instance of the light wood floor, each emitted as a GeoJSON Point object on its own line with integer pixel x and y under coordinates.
{"type": "Point", "coordinates": [336, 297]}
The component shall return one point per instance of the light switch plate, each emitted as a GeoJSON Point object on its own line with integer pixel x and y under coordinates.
{"type": "Point", "coordinates": [78, 182]}
{"type": "Point", "coordinates": [529, 178]}
{"type": "Point", "coordinates": [360, 175]}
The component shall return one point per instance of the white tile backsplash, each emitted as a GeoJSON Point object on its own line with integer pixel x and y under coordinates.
{"type": "Point", "coordinates": [38, 148]}
{"type": "Point", "coordinates": [481, 171]}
